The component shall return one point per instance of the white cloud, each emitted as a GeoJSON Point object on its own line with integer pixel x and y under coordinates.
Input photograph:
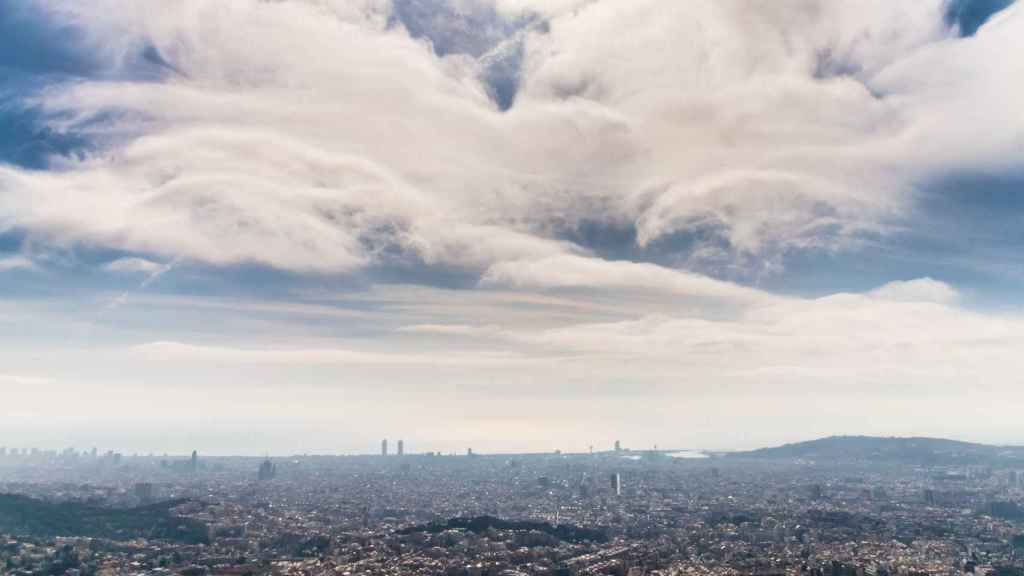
{"type": "Point", "coordinates": [769, 126]}
{"type": "Point", "coordinates": [177, 351]}
{"type": "Point", "coordinates": [787, 368]}
{"type": "Point", "coordinates": [447, 329]}
{"type": "Point", "coordinates": [17, 262]}
{"type": "Point", "coordinates": [133, 264]}
{"type": "Point", "coordinates": [568, 271]}
{"type": "Point", "coordinates": [24, 380]}
{"type": "Point", "coordinates": [919, 290]}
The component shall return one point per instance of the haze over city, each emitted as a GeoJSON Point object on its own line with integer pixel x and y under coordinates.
{"type": "Point", "coordinates": [300, 226]}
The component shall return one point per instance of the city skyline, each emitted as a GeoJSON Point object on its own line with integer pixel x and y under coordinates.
{"type": "Point", "coordinates": [192, 456]}
{"type": "Point", "coordinates": [511, 225]}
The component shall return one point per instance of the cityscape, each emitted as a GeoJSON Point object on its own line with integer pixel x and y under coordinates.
{"type": "Point", "coordinates": [841, 506]}
{"type": "Point", "coordinates": [511, 287]}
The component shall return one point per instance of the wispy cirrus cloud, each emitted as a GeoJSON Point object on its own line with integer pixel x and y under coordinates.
{"type": "Point", "coordinates": [133, 264]}
{"type": "Point", "coordinates": [16, 262]}
{"type": "Point", "coordinates": [178, 351]}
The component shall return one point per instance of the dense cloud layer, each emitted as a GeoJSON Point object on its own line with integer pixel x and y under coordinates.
{"type": "Point", "coordinates": [353, 132]}
{"type": "Point", "coordinates": [520, 146]}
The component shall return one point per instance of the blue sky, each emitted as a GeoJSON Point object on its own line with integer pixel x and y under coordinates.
{"type": "Point", "coordinates": [512, 224]}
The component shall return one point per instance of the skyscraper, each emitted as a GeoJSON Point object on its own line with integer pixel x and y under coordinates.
{"type": "Point", "coordinates": [384, 447]}
{"type": "Point", "coordinates": [401, 447]}
{"type": "Point", "coordinates": [193, 464]}
{"type": "Point", "coordinates": [616, 481]}
{"type": "Point", "coordinates": [267, 471]}
{"type": "Point", "coordinates": [144, 492]}
{"type": "Point", "coordinates": [618, 446]}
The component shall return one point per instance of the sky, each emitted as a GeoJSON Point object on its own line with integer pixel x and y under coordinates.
{"type": "Point", "coordinates": [301, 226]}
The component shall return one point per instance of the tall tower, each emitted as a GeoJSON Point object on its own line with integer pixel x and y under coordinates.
{"type": "Point", "coordinates": [194, 462]}
{"type": "Point", "coordinates": [616, 481]}
{"type": "Point", "coordinates": [267, 470]}
{"type": "Point", "coordinates": [144, 492]}
{"type": "Point", "coordinates": [384, 447]}
{"type": "Point", "coordinates": [618, 446]}
{"type": "Point", "coordinates": [401, 447]}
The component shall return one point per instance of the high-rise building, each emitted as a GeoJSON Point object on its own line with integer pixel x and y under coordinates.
{"type": "Point", "coordinates": [144, 492]}
{"type": "Point", "coordinates": [401, 447]}
{"type": "Point", "coordinates": [267, 471]}
{"type": "Point", "coordinates": [469, 451]}
{"type": "Point", "coordinates": [384, 447]}
{"type": "Point", "coordinates": [616, 482]}
{"type": "Point", "coordinates": [193, 464]}
{"type": "Point", "coordinates": [618, 446]}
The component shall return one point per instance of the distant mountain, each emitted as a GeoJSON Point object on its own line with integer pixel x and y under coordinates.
{"type": "Point", "coordinates": [933, 451]}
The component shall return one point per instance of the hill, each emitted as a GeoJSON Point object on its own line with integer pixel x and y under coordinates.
{"type": "Point", "coordinates": [922, 451]}
{"type": "Point", "coordinates": [23, 515]}
{"type": "Point", "coordinates": [480, 524]}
